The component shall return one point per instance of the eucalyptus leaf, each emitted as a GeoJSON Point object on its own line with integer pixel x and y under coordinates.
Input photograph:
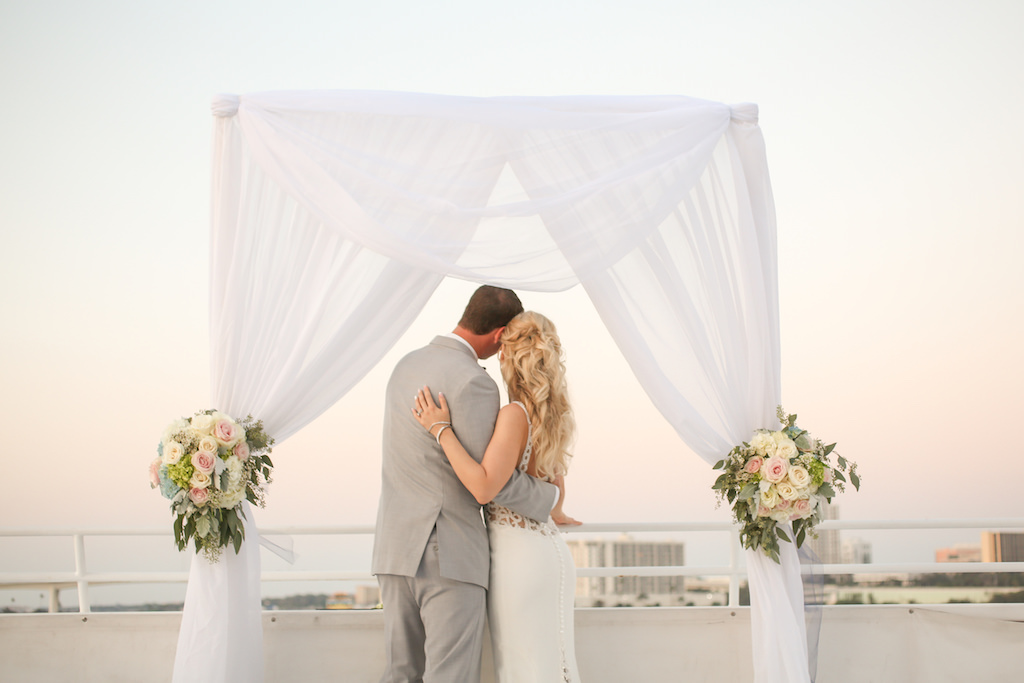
{"type": "Point", "coordinates": [748, 491]}
{"type": "Point", "coordinates": [782, 533]}
{"type": "Point", "coordinates": [855, 480]}
{"type": "Point", "coordinates": [827, 491]}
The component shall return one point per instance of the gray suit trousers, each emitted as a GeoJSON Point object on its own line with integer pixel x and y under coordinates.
{"type": "Point", "coordinates": [448, 651]}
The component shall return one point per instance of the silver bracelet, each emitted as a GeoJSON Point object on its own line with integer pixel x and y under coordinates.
{"type": "Point", "coordinates": [438, 423]}
{"type": "Point", "coordinates": [438, 437]}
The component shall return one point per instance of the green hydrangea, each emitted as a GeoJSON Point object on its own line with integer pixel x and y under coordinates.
{"type": "Point", "coordinates": [816, 469]}
{"type": "Point", "coordinates": [181, 473]}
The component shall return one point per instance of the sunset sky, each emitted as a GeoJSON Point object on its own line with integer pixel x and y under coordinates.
{"type": "Point", "coordinates": [897, 162]}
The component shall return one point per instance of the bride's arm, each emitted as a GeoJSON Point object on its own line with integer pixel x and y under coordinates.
{"type": "Point", "coordinates": [486, 478]}
{"type": "Point", "coordinates": [557, 515]}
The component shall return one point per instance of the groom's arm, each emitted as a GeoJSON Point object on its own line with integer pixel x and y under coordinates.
{"type": "Point", "coordinates": [529, 496]}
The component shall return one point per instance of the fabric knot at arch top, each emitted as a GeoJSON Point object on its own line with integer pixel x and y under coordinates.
{"type": "Point", "coordinates": [745, 112]}
{"type": "Point", "coordinates": [224, 105]}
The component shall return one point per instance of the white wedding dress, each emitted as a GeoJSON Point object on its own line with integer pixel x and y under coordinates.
{"type": "Point", "coordinates": [530, 602]}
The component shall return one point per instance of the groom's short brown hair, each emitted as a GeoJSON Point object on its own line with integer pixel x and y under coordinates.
{"type": "Point", "coordinates": [490, 308]}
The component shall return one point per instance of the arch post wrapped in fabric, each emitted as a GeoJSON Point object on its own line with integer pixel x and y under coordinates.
{"type": "Point", "coordinates": [336, 214]}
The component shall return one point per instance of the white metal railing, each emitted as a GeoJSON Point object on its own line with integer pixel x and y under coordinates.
{"type": "Point", "coordinates": [735, 570]}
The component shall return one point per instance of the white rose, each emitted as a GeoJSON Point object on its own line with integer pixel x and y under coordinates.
{"type": "Point", "coordinates": [200, 480]}
{"type": "Point", "coordinates": [203, 424]}
{"type": "Point", "coordinates": [785, 448]}
{"type": "Point", "coordinates": [232, 498]}
{"type": "Point", "coordinates": [761, 443]}
{"type": "Point", "coordinates": [799, 477]}
{"type": "Point", "coordinates": [786, 490]}
{"type": "Point", "coordinates": [769, 497]}
{"type": "Point", "coordinates": [209, 444]}
{"type": "Point", "coordinates": [173, 452]}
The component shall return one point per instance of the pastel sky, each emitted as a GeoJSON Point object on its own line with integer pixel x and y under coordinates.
{"type": "Point", "coordinates": [894, 144]}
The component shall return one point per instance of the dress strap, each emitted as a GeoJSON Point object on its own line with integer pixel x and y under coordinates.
{"type": "Point", "coordinates": [524, 460]}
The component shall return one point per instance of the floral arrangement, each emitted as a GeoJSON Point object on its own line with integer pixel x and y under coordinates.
{"type": "Point", "coordinates": [779, 477]}
{"type": "Point", "coordinates": [207, 466]}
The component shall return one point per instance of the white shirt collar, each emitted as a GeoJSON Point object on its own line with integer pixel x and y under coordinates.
{"type": "Point", "coordinates": [468, 345]}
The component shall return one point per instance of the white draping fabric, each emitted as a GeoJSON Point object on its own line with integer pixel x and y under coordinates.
{"type": "Point", "coordinates": [336, 214]}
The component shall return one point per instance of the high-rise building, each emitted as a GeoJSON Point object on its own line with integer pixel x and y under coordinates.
{"type": "Point", "coordinates": [626, 552]}
{"type": "Point", "coordinates": [856, 551]}
{"type": "Point", "coordinates": [367, 595]}
{"type": "Point", "coordinates": [827, 545]}
{"type": "Point", "coordinates": [999, 546]}
{"type": "Point", "coordinates": [963, 552]}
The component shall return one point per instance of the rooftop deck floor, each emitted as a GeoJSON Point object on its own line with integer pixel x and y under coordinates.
{"type": "Point", "coordinates": [858, 644]}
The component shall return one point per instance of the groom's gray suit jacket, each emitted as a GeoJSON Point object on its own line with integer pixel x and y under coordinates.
{"type": "Point", "coordinates": [419, 488]}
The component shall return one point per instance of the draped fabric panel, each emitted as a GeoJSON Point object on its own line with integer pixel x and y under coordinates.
{"type": "Point", "coordinates": [336, 215]}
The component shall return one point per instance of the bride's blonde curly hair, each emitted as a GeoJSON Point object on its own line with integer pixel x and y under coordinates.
{"type": "Point", "coordinates": [534, 373]}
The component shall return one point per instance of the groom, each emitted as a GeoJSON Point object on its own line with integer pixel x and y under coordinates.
{"type": "Point", "coordinates": [430, 553]}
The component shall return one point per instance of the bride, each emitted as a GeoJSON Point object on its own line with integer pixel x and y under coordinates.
{"type": "Point", "coordinates": [533, 579]}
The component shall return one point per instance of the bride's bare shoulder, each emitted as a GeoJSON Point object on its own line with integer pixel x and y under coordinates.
{"type": "Point", "coordinates": [513, 412]}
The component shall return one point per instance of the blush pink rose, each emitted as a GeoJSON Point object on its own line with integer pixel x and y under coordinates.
{"type": "Point", "coordinates": [227, 432]}
{"type": "Point", "coordinates": [203, 461]}
{"type": "Point", "coordinates": [776, 469]}
{"type": "Point", "coordinates": [802, 507]}
{"type": "Point", "coordinates": [826, 476]}
{"type": "Point", "coordinates": [199, 496]}
{"type": "Point", "coordinates": [783, 504]}
{"type": "Point", "coordinates": [753, 465]}
{"type": "Point", "coordinates": [154, 472]}
{"type": "Point", "coordinates": [762, 511]}
{"type": "Point", "coordinates": [242, 450]}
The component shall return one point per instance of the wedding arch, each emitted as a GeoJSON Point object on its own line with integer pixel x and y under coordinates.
{"type": "Point", "coordinates": [336, 215]}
